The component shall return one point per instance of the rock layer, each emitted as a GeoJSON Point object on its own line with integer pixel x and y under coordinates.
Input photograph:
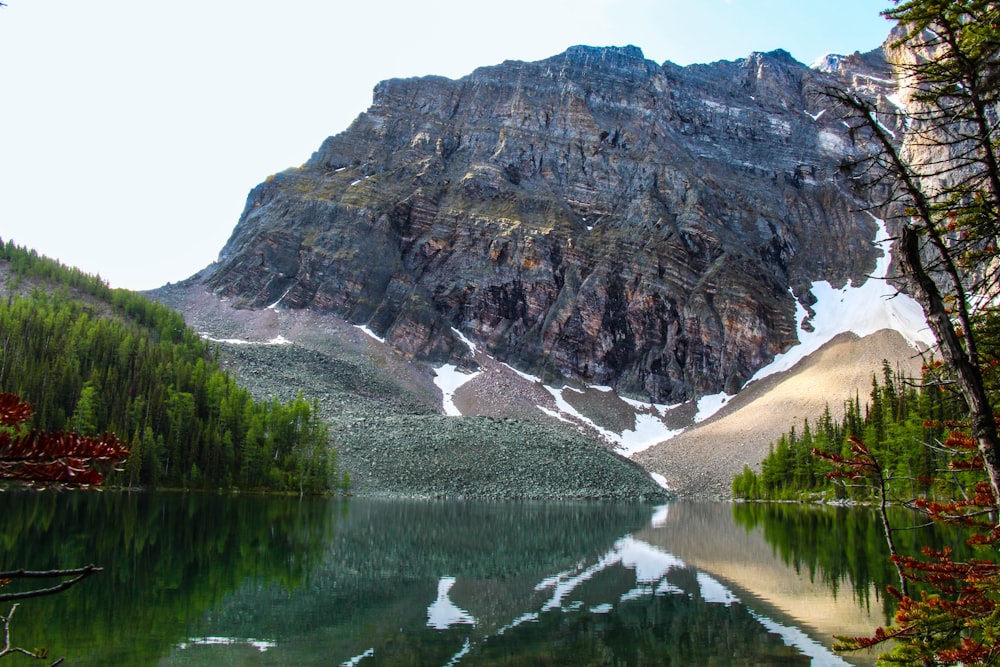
{"type": "Point", "coordinates": [593, 216]}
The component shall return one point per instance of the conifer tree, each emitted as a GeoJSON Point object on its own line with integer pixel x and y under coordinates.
{"type": "Point", "coordinates": [131, 366]}
{"type": "Point", "coordinates": [945, 185]}
{"type": "Point", "coordinates": [944, 180]}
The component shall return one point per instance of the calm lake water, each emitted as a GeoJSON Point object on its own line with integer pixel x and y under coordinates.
{"type": "Point", "coordinates": [218, 580]}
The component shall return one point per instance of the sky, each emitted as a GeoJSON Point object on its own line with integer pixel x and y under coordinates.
{"type": "Point", "coordinates": [131, 131]}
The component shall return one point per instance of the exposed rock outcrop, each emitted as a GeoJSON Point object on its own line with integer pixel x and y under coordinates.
{"type": "Point", "coordinates": [593, 216]}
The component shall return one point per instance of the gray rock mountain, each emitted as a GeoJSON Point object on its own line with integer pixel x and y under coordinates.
{"type": "Point", "coordinates": [593, 216]}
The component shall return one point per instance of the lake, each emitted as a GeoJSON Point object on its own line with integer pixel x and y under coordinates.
{"type": "Point", "coordinates": [198, 579]}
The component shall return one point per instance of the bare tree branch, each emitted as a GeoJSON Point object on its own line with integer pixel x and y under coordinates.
{"type": "Point", "coordinates": [76, 576]}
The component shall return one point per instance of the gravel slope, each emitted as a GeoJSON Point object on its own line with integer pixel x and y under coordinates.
{"type": "Point", "coordinates": [385, 413]}
{"type": "Point", "coordinates": [702, 461]}
{"type": "Point", "coordinates": [385, 417]}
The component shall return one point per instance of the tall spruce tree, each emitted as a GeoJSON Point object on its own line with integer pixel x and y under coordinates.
{"type": "Point", "coordinates": [944, 180]}
{"type": "Point", "coordinates": [945, 184]}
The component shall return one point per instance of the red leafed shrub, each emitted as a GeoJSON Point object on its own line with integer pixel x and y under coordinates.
{"type": "Point", "coordinates": [52, 458]}
{"type": "Point", "coordinates": [949, 610]}
{"type": "Point", "coordinates": [47, 458]}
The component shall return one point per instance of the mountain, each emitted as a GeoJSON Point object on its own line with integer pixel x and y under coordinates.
{"type": "Point", "coordinates": [592, 216]}
{"type": "Point", "coordinates": [629, 236]}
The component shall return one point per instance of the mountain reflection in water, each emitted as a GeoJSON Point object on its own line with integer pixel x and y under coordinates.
{"type": "Point", "coordinates": [519, 584]}
{"type": "Point", "coordinates": [219, 580]}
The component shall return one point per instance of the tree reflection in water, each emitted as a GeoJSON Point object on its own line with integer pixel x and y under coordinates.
{"type": "Point", "coordinates": [203, 579]}
{"type": "Point", "coordinates": [844, 546]}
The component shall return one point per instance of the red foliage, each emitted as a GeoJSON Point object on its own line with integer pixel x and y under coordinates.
{"type": "Point", "coordinates": [63, 458]}
{"type": "Point", "coordinates": [861, 465]}
{"type": "Point", "coordinates": [953, 620]}
{"type": "Point", "coordinates": [14, 411]}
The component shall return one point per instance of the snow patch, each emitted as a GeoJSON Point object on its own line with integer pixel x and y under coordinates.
{"type": "Point", "coordinates": [564, 408]}
{"type": "Point", "coordinates": [821, 656]}
{"type": "Point", "coordinates": [353, 662]}
{"type": "Point", "coordinates": [649, 431]}
{"type": "Point", "coordinates": [714, 592]}
{"type": "Point", "coordinates": [524, 376]}
{"type": "Point", "coordinates": [896, 101]}
{"type": "Point", "coordinates": [457, 658]}
{"type": "Point", "coordinates": [885, 127]}
{"type": "Point", "coordinates": [660, 514]}
{"type": "Point", "coordinates": [261, 645]}
{"type": "Point", "coordinates": [530, 617]}
{"type": "Point", "coordinates": [549, 582]}
{"type": "Point", "coordinates": [869, 77]}
{"type": "Point", "coordinates": [448, 380]}
{"type": "Point", "coordinates": [651, 566]}
{"type": "Point", "coordinates": [370, 333]}
{"type": "Point", "coordinates": [274, 306]}
{"type": "Point", "coordinates": [637, 593]}
{"type": "Point", "coordinates": [649, 428]}
{"type": "Point", "coordinates": [443, 613]}
{"type": "Point", "coordinates": [564, 586]}
{"type": "Point", "coordinates": [667, 588]}
{"type": "Point", "coordinates": [872, 306]}
{"type": "Point", "coordinates": [709, 405]}
{"type": "Point", "coordinates": [658, 407]}
{"type": "Point", "coordinates": [555, 414]}
{"type": "Point", "coordinates": [468, 343]}
{"type": "Point", "coordinates": [650, 563]}
{"type": "Point", "coordinates": [830, 63]}
{"type": "Point", "coordinates": [277, 340]}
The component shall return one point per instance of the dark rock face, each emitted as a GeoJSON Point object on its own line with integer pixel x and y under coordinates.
{"type": "Point", "coordinates": [593, 215]}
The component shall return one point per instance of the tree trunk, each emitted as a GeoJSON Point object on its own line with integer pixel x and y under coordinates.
{"type": "Point", "coordinates": [967, 374]}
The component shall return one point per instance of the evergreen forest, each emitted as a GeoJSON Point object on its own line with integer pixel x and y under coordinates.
{"type": "Point", "coordinates": [95, 360]}
{"type": "Point", "coordinates": [905, 422]}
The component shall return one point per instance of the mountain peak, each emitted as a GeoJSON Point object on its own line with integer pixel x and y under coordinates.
{"type": "Point", "coordinates": [629, 51]}
{"type": "Point", "coordinates": [776, 54]}
{"type": "Point", "coordinates": [592, 217]}
{"type": "Point", "coordinates": [830, 63]}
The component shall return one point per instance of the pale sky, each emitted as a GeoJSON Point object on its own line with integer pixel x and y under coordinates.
{"type": "Point", "coordinates": [131, 131]}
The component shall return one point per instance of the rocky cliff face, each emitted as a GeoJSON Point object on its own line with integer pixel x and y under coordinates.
{"type": "Point", "coordinates": [593, 216]}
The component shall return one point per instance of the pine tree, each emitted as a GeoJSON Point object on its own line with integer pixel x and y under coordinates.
{"type": "Point", "coordinates": [945, 180]}
{"type": "Point", "coordinates": [130, 366]}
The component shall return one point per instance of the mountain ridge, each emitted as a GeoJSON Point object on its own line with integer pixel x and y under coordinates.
{"type": "Point", "coordinates": [578, 216]}
{"type": "Point", "coordinates": [637, 240]}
